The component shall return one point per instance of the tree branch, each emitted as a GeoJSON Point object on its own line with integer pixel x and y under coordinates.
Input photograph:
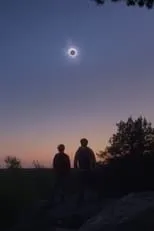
{"type": "Point", "coordinates": [140, 3]}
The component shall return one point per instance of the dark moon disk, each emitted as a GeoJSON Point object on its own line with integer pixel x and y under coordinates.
{"type": "Point", "coordinates": [72, 52]}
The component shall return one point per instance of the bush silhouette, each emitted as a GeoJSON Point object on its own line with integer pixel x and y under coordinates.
{"type": "Point", "coordinates": [12, 162]}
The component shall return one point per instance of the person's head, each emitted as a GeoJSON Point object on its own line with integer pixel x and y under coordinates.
{"type": "Point", "coordinates": [84, 142]}
{"type": "Point", "coordinates": [61, 147]}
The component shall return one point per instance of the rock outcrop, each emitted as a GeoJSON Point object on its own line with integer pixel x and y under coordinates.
{"type": "Point", "coordinates": [130, 213]}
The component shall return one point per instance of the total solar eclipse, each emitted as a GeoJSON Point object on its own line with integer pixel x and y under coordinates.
{"type": "Point", "coordinates": [72, 52]}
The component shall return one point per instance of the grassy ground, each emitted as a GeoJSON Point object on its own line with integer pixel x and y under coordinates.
{"type": "Point", "coordinates": [21, 188]}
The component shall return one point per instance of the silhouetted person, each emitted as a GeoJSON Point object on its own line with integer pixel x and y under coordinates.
{"type": "Point", "coordinates": [84, 157]}
{"type": "Point", "coordinates": [61, 166]}
{"type": "Point", "coordinates": [85, 161]}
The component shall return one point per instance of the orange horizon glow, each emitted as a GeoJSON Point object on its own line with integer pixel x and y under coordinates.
{"type": "Point", "coordinates": [28, 147]}
{"type": "Point", "coordinates": [44, 154]}
{"type": "Point", "coordinates": [38, 143]}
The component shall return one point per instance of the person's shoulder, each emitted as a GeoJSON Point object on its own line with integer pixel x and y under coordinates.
{"type": "Point", "coordinates": [56, 155]}
{"type": "Point", "coordinates": [78, 150]}
{"type": "Point", "coordinates": [90, 149]}
{"type": "Point", "coordinates": [81, 150]}
{"type": "Point", "coordinates": [66, 155]}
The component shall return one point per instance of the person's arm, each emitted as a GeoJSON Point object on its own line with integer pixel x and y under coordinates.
{"type": "Point", "coordinates": [76, 160]}
{"type": "Point", "coordinates": [68, 162]}
{"type": "Point", "coordinates": [54, 162]}
{"type": "Point", "coordinates": [93, 159]}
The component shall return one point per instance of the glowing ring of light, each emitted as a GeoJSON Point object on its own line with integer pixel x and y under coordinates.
{"type": "Point", "coordinates": [72, 52]}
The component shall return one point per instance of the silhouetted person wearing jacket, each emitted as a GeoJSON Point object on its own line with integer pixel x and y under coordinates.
{"type": "Point", "coordinates": [84, 157]}
{"type": "Point", "coordinates": [85, 161]}
{"type": "Point", "coordinates": [61, 166]}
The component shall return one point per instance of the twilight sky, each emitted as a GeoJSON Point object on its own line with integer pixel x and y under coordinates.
{"type": "Point", "coordinates": [46, 98]}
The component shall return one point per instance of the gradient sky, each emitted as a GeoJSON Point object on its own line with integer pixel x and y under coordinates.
{"type": "Point", "coordinates": [46, 98]}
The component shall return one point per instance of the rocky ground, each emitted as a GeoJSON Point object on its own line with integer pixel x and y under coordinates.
{"type": "Point", "coordinates": [132, 212]}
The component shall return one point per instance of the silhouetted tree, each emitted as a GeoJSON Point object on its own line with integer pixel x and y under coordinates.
{"type": "Point", "coordinates": [129, 158]}
{"type": "Point", "coordinates": [140, 3]}
{"type": "Point", "coordinates": [12, 162]}
{"type": "Point", "coordinates": [133, 137]}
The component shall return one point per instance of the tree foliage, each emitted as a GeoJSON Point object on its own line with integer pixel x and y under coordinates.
{"type": "Point", "coordinates": [140, 3]}
{"type": "Point", "coordinates": [133, 137]}
{"type": "Point", "coordinates": [12, 162]}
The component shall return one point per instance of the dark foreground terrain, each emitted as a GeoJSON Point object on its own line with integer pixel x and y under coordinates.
{"type": "Point", "coordinates": [19, 188]}
{"type": "Point", "coordinates": [26, 195]}
{"type": "Point", "coordinates": [23, 188]}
